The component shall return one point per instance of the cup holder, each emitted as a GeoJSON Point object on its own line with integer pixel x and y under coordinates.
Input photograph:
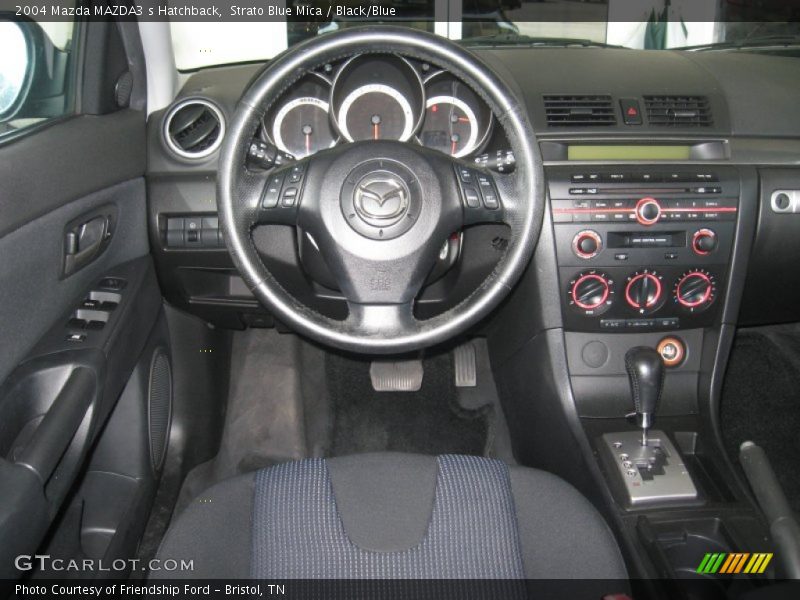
{"type": "Point", "coordinates": [679, 548]}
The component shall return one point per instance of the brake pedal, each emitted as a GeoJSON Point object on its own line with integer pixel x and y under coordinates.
{"type": "Point", "coordinates": [465, 365]}
{"type": "Point", "coordinates": [396, 376]}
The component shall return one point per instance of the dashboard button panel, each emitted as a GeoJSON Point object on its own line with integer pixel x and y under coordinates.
{"type": "Point", "coordinates": [656, 242]}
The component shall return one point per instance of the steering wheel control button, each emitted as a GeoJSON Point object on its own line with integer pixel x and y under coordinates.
{"type": "Point", "coordinates": [381, 199]}
{"type": "Point", "coordinates": [289, 197]}
{"type": "Point", "coordinates": [672, 351]}
{"type": "Point", "coordinates": [479, 192]}
{"type": "Point", "coordinates": [296, 174]}
{"type": "Point", "coordinates": [488, 192]}
{"type": "Point", "coordinates": [648, 211]}
{"type": "Point", "coordinates": [587, 244]}
{"type": "Point", "coordinates": [590, 293]}
{"type": "Point", "coordinates": [471, 197]}
{"type": "Point", "coordinates": [704, 241]}
{"type": "Point", "coordinates": [272, 191]}
{"type": "Point", "coordinates": [643, 291]}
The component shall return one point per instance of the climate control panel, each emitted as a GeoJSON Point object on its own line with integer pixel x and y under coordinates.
{"type": "Point", "coordinates": [643, 249]}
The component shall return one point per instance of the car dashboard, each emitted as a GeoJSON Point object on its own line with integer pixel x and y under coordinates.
{"type": "Point", "coordinates": [615, 127]}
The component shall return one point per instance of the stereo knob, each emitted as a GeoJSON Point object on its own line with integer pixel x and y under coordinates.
{"type": "Point", "coordinates": [695, 290]}
{"type": "Point", "coordinates": [643, 291]}
{"type": "Point", "coordinates": [648, 211]}
{"type": "Point", "coordinates": [586, 244]}
{"type": "Point", "coordinates": [590, 292]}
{"type": "Point", "coordinates": [704, 241]}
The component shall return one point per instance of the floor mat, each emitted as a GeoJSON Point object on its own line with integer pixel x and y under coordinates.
{"type": "Point", "coordinates": [761, 402]}
{"type": "Point", "coordinates": [429, 421]}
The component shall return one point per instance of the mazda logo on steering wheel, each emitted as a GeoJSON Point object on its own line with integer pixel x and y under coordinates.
{"type": "Point", "coordinates": [380, 198]}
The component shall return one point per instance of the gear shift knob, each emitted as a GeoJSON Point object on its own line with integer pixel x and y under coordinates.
{"type": "Point", "coordinates": [646, 373]}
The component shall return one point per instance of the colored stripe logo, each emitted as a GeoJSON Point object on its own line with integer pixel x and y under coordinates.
{"type": "Point", "coordinates": [732, 563]}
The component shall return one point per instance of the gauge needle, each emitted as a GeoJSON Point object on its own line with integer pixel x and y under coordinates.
{"type": "Point", "coordinates": [376, 126]}
{"type": "Point", "coordinates": [454, 143]}
{"type": "Point", "coordinates": [307, 131]}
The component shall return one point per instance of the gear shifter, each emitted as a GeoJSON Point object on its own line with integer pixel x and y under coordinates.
{"type": "Point", "coordinates": [646, 373]}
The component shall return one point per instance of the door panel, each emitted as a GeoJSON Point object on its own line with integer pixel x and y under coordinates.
{"type": "Point", "coordinates": [32, 293]}
{"type": "Point", "coordinates": [79, 300]}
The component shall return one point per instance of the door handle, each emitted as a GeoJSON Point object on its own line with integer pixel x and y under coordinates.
{"type": "Point", "coordinates": [85, 239]}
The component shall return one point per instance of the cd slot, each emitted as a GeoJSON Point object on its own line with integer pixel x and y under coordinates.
{"type": "Point", "coordinates": [637, 239]}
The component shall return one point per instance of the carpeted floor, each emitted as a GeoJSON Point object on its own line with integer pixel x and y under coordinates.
{"type": "Point", "coordinates": [429, 421]}
{"type": "Point", "coordinates": [761, 402]}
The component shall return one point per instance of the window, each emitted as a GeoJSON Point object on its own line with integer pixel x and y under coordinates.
{"type": "Point", "coordinates": [35, 73]}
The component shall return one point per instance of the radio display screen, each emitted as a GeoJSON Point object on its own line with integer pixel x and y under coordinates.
{"type": "Point", "coordinates": [620, 152]}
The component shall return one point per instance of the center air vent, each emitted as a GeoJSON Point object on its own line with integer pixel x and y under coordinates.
{"type": "Point", "coordinates": [579, 111]}
{"type": "Point", "coordinates": [678, 111]}
{"type": "Point", "coordinates": [194, 128]}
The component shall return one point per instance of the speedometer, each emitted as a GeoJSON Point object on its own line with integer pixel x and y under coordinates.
{"type": "Point", "coordinates": [376, 111]}
{"type": "Point", "coordinates": [302, 127]}
{"type": "Point", "coordinates": [377, 97]}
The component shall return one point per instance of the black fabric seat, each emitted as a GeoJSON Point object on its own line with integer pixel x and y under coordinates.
{"type": "Point", "coordinates": [394, 516]}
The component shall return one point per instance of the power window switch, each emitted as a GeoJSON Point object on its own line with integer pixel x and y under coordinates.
{"type": "Point", "coordinates": [76, 338]}
{"type": "Point", "coordinates": [91, 304]}
{"type": "Point", "coordinates": [76, 323]}
{"type": "Point", "coordinates": [111, 283]}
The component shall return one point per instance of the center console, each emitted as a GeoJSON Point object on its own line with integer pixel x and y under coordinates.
{"type": "Point", "coordinates": [643, 256]}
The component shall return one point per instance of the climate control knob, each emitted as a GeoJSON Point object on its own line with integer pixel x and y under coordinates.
{"type": "Point", "coordinates": [704, 241]}
{"type": "Point", "coordinates": [695, 290]}
{"type": "Point", "coordinates": [590, 292]}
{"type": "Point", "coordinates": [586, 244]}
{"type": "Point", "coordinates": [643, 291]}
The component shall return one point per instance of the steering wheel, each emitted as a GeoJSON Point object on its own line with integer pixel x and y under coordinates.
{"type": "Point", "coordinates": [380, 211]}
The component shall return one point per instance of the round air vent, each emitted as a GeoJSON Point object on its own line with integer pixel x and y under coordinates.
{"type": "Point", "coordinates": [194, 128]}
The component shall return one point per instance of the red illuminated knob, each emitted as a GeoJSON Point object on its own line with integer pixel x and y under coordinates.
{"type": "Point", "coordinates": [586, 244]}
{"type": "Point", "coordinates": [695, 290]}
{"type": "Point", "coordinates": [590, 291]}
{"type": "Point", "coordinates": [643, 291]}
{"type": "Point", "coordinates": [704, 241]}
{"type": "Point", "coordinates": [648, 211]}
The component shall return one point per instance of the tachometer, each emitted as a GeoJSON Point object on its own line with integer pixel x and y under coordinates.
{"type": "Point", "coordinates": [302, 127]}
{"type": "Point", "coordinates": [450, 125]}
{"type": "Point", "coordinates": [376, 112]}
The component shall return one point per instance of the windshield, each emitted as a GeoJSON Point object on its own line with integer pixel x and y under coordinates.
{"type": "Point", "coordinates": [651, 24]}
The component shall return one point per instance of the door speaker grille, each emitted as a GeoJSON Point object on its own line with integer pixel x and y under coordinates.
{"type": "Point", "coordinates": [159, 406]}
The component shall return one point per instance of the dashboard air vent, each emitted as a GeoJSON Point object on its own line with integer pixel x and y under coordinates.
{"type": "Point", "coordinates": [579, 111]}
{"type": "Point", "coordinates": [194, 128]}
{"type": "Point", "coordinates": [678, 111]}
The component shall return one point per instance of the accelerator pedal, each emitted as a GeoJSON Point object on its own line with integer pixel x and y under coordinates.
{"type": "Point", "coordinates": [465, 365]}
{"type": "Point", "coordinates": [396, 376]}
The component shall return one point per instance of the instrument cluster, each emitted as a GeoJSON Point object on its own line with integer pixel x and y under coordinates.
{"type": "Point", "coordinates": [379, 97]}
